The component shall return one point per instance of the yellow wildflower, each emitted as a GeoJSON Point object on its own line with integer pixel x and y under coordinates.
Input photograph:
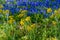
{"type": "Point", "coordinates": [59, 10]}
{"type": "Point", "coordinates": [1, 10]}
{"type": "Point", "coordinates": [5, 11]}
{"type": "Point", "coordinates": [20, 9]}
{"type": "Point", "coordinates": [56, 12]}
{"type": "Point", "coordinates": [10, 17]}
{"type": "Point", "coordinates": [25, 37]}
{"type": "Point", "coordinates": [27, 18]}
{"type": "Point", "coordinates": [47, 19]}
{"type": "Point", "coordinates": [29, 28]}
{"type": "Point", "coordinates": [11, 21]}
{"type": "Point", "coordinates": [54, 38]}
{"type": "Point", "coordinates": [22, 22]}
{"type": "Point", "coordinates": [49, 10]}
{"type": "Point", "coordinates": [52, 16]}
{"type": "Point", "coordinates": [33, 25]}
{"type": "Point", "coordinates": [54, 22]}
{"type": "Point", "coordinates": [20, 15]}
{"type": "Point", "coordinates": [2, 34]}
{"type": "Point", "coordinates": [1, 6]}
{"type": "Point", "coordinates": [23, 11]}
{"type": "Point", "coordinates": [58, 16]}
{"type": "Point", "coordinates": [48, 39]}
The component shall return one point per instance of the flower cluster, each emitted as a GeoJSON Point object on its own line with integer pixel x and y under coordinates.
{"type": "Point", "coordinates": [30, 20]}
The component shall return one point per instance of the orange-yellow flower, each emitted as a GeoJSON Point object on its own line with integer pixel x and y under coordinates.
{"type": "Point", "coordinates": [1, 10]}
{"type": "Point", "coordinates": [2, 35]}
{"type": "Point", "coordinates": [5, 11]}
{"type": "Point", "coordinates": [29, 28]}
{"type": "Point", "coordinates": [59, 10]}
{"type": "Point", "coordinates": [27, 18]}
{"type": "Point", "coordinates": [22, 22]}
{"type": "Point", "coordinates": [10, 17]}
{"type": "Point", "coordinates": [55, 12]}
{"type": "Point", "coordinates": [53, 38]}
{"type": "Point", "coordinates": [11, 21]}
{"type": "Point", "coordinates": [1, 6]}
{"type": "Point", "coordinates": [52, 16]}
{"type": "Point", "coordinates": [23, 11]}
{"type": "Point", "coordinates": [21, 15]}
{"type": "Point", "coordinates": [49, 10]}
{"type": "Point", "coordinates": [33, 25]}
{"type": "Point", "coordinates": [54, 22]}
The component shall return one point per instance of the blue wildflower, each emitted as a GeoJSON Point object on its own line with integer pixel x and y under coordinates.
{"type": "Point", "coordinates": [36, 3]}
{"type": "Point", "coordinates": [21, 3]}
{"type": "Point", "coordinates": [46, 4]}
{"type": "Point", "coordinates": [20, 0]}
{"type": "Point", "coordinates": [24, 4]}
{"type": "Point", "coordinates": [18, 3]}
{"type": "Point", "coordinates": [9, 0]}
{"type": "Point", "coordinates": [25, 0]}
{"type": "Point", "coordinates": [26, 8]}
{"type": "Point", "coordinates": [12, 10]}
{"type": "Point", "coordinates": [11, 5]}
{"type": "Point", "coordinates": [31, 3]}
{"type": "Point", "coordinates": [41, 3]}
{"type": "Point", "coordinates": [45, 15]}
{"type": "Point", "coordinates": [33, 10]}
{"type": "Point", "coordinates": [5, 6]}
{"type": "Point", "coordinates": [17, 9]}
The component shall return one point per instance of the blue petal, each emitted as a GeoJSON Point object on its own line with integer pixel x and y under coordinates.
{"type": "Point", "coordinates": [12, 10]}
{"type": "Point", "coordinates": [17, 9]}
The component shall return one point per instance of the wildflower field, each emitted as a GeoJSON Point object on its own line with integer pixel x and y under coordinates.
{"type": "Point", "coordinates": [29, 19]}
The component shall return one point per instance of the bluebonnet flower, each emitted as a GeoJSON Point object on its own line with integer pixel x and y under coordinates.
{"type": "Point", "coordinates": [28, 13]}
{"type": "Point", "coordinates": [9, 0]}
{"type": "Point", "coordinates": [47, 3]}
{"type": "Point", "coordinates": [31, 3]}
{"type": "Point", "coordinates": [20, 0]}
{"type": "Point", "coordinates": [41, 3]}
{"type": "Point", "coordinates": [17, 9]}
{"type": "Point", "coordinates": [45, 15]}
{"type": "Point", "coordinates": [43, 11]}
{"type": "Point", "coordinates": [18, 3]}
{"type": "Point", "coordinates": [54, 5]}
{"type": "Point", "coordinates": [12, 10]}
{"type": "Point", "coordinates": [5, 6]}
{"type": "Point", "coordinates": [26, 8]}
{"type": "Point", "coordinates": [57, 0]}
{"type": "Point", "coordinates": [11, 5]}
{"type": "Point", "coordinates": [36, 3]}
{"type": "Point", "coordinates": [25, 0]}
{"type": "Point", "coordinates": [33, 10]}
{"type": "Point", "coordinates": [24, 4]}
{"type": "Point", "coordinates": [47, 0]}
{"type": "Point", "coordinates": [21, 3]}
